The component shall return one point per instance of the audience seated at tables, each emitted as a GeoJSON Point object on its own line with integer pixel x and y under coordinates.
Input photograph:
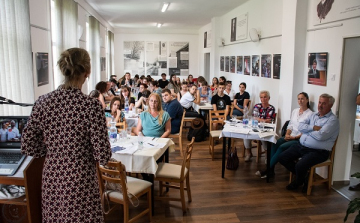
{"type": "Point", "coordinates": [155, 122]}
{"type": "Point", "coordinates": [142, 102]}
{"type": "Point", "coordinates": [266, 114]}
{"type": "Point", "coordinates": [183, 90]}
{"type": "Point", "coordinates": [116, 115]}
{"type": "Point", "coordinates": [173, 86]}
{"type": "Point", "coordinates": [136, 80]}
{"type": "Point", "coordinates": [187, 100]}
{"type": "Point", "coordinates": [127, 81]}
{"type": "Point", "coordinates": [175, 110]}
{"type": "Point", "coordinates": [126, 98]}
{"type": "Point", "coordinates": [241, 100]}
{"type": "Point", "coordinates": [100, 90]}
{"type": "Point", "coordinates": [292, 134]}
{"type": "Point", "coordinates": [319, 132]}
{"type": "Point", "coordinates": [163, 82]}
{"type": "Point", "coordinates": [228, 91]}
{"type": "Point", "coordinates": [113, 86]}
{"type": "Point", "coordinates": [221, 101]}
{"type": "Point", "coordinates": [142, 88]}
{"type": "Point", "coordinates": [214, 85]}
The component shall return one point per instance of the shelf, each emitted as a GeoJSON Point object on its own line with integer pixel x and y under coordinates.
{"type": "Point", "coordinates": [17, 201]}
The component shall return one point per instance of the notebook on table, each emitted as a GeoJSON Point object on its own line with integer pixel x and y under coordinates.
{"type": "Point", "coordinates": [11, 128]}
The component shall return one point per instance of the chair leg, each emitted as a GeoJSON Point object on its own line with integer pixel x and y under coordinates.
{"type": "Point", "coordinates": [310, 181]}
{"type": "Point", "coordinates": [126, 212]}
{"type": "Point", "coordinates": [180, 146]}
{"type": "Point", "coordinates": [160, 188]}
{"type": "Point", "coordinates": [210, 140]}
{"type": "Point", "coordinates": [329, 176]}
{"type": "Point", "coordinates": [188, 188]}
{"type": "Point", "coordinates": [258, 151]}
{"type": "Point", "coordinates": [290, 177]}
{"type": "Point", "coordinates": [182, 196]}
{"type": "Point", "coordinates": [212, 148]}
{"type": "Point", "coordinates": [149, 204]}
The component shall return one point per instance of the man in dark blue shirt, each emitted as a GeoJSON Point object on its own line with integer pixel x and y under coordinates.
{"type": "Point", "coordinates": [175, 110]}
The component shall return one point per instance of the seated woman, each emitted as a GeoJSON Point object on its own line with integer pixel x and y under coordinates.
{"type": "Point", "coordinates": [142, 87]}
{"type": "Point", "coordinates": [115, 115]}
{"type": "Point", "coordinates": [143, 100]}
{"type": "Point", "coordinates": [205, 92]}
{"type": "Point", "coordinates": [173, 86]}
{"type": "Point", "coordinates": [266, 114]}
{"type": "Point", "coordinates": [292, 135]}
{"type": "Point", "coordinates": [183, 90]}
{"type": "Point", "coordinates": [125, 98]}
{"type": "Point", "coordinates": [214, 85]}
{"type": "Point", "coordinates": [100, 90]}
{"type": "Point", "coordinates": [228, 91]}
{"type": "Point", "coordinates": [155, 122]}
{"type": "Point", "coordinates": [241, 100]}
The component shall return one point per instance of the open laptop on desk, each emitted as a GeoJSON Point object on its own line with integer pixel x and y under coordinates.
{"type": "Point", "coordinates": [11, 128]}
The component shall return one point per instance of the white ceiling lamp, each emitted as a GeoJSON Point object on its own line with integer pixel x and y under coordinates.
{"type": "Point", "coordinates": [165, 6]}
{"type": "Point", "coordinates": [159, 25]}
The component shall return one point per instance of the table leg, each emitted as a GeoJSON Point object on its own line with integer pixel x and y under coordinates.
{"type": "Point", "coordinates": [223, 158]}
{"type": "Point", "coordinates": [268, 157]}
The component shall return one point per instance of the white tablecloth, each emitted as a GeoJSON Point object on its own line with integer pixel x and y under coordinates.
{"type": "Point", "coordinates": [143, 161]}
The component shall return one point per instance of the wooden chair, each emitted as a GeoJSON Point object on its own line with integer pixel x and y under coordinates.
{"type": "Point", "coordinates": [129, 186]}
{"type": "Point", "coordinates": [215, 117]}
{"type": "Point", "coordinates": [172, 173]}
{"type": "Point", "coordinates": [314, 178]}
{"type": "Point", "coordinates": [179, 135]}
{"type": "Point", "coordinates": [121, 126]}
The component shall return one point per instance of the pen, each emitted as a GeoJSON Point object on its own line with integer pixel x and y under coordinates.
{"type": "Point", "coordinates": [153, 139]}
{"type": "Point", "coordinates": [151, 144]}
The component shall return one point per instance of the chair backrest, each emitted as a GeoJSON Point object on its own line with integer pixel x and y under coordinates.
{"type": "Point", "coordinates": [121, 125]}
{"type": "Point", "coordinates": [332, 154]}
{"type": "Point", "coordinates": [217, 117]}
{"type": "Point", "coordinates": [187, 157]}
{"type": "Point", "coordinates": [182, 123]}
{"type": "Point", "coordinates": [284, 128]}
{"type": "Point", "coordinates": [114, 173]}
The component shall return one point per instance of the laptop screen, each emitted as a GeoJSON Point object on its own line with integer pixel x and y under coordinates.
{"type": "Point", "coordinates": [11, 130]}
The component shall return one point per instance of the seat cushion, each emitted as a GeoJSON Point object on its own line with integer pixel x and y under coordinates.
{"type": "Point", "coordinates": [169, 170]}
{"type": "Point", "coordinates": [215, 133]}
{"type": "Point", "coordinates": [134, 187]}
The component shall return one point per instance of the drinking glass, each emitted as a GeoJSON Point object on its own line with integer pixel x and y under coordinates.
{"type": "Point", "coordinates": [128, 131]}
{"type": "Point", "coordinates": [262, 125]}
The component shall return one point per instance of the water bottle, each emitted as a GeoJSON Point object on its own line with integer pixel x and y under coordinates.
{"type": "Point", "coordinates": [113, 132]}
{"type": "Point", "coordinates": [140, 141]}
{"type": "Point", "coordinates": [126, 105]}
{"type": "Point", "coordinates": [255, 121]}
{"type": "Point", "coordinates": [245, 117]}
{"type": "Point", "coordinates": [209, 96]}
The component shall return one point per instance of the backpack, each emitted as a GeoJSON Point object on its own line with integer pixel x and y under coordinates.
{"type": "Point", "coordinates": [199, 134]}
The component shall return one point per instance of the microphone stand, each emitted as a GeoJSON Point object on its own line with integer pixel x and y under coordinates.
{"type": "Point", "coordinates": [5, 101]}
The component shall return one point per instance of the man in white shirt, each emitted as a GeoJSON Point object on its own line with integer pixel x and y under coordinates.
{"type": "Point", "coordinates": [187, 100]}
{"type": "Point", "coordinates": [13, 132]}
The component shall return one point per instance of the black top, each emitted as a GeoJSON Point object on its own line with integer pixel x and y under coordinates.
{"type": "Point", "coordinates": [240, 98]}
{"type": "Point", "coordinates": [131, 101]}
{"type": "Point", "coordinates": [221, 102]}
{"type": "Point", "coordinates": [163, 83]}
{"type": "Point", "coordinates": [123, 82]}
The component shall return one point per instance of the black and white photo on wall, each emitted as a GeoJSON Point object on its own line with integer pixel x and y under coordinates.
{"type": "Point", "coordinates": [42, 68]}
{"type": "Point", "coordinates": [317, 68]}
{"type": "Point", "coordinates": [232, 64]}
{"type": "Point", "coordinates": [266, 65]}
{"type": "Point", "coordinates": [255, 67]}
{"type": "Point", "coordinates": [276, 66]}
{"type": "Point", "coordinates": [233, 30]}
{"type": "Point", "coordinates": [205, 39]}
{"type": "Point", "coordinates": [227, 63]}
{"type": "Point", "coordinates": [222, 63]}
{"type": "Point", "coordinates": [247, 65]}
{"type": "Point", "coordinates": [239, 65]}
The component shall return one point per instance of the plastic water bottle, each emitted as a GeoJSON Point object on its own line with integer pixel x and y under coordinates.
{"type": "Point", "coordinates": [255, 122]}
{"type": "Point", "coordinates": [126, 105]}
{"type": "Point", "coordinates": [245, 117]}
{"type": "Point", "coordinates": [140, 141]}
{"type": "Point", "coordinates": [113, 132]}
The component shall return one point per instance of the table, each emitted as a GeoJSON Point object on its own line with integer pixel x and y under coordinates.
{"type": "Point", "coordinates": [202, 106]}
{"type": "Point", "coordinates": [144, 161]}
{"type": "Point", "coordinates": [240, 132]}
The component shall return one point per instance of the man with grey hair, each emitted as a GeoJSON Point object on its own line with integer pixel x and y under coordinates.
{"type": "Point", "coordinates": [319, 133]}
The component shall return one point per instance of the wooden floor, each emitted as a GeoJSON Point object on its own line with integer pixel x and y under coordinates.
{"type": "Point", "coordinates": [243, 197]}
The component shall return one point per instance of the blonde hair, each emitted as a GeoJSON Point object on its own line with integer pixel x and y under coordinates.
{"type": "Point", "coordinates": [158, 108]}
{"type": "Point", "coordinates": [73, 63]}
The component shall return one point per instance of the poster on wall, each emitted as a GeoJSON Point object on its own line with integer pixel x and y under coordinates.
{"type": "Point", "coordinates": [232, 64]}
{"type": "Point", "coordinates": [276, 66]}
{"type": "Point", "coordinates": [42, 68]}
{"type": "Point", "coordinates": [317, 68]}
{"type": "Point", "coordinates": [163, 49]}
{"type": "Point", "coordinates": [227, 61]}
{"type": "Point", "coordinates": [222, 63]}
{"type": "Point", "coordinates": [325, 11]}
{"type": "Point", "coordinates": [255, 65]}
{"type": "Point", "coordinates": [205, 39]}
{"type": "Point", "coordinates": [102, 63]}
{"type": "Point", "coordinates": [179, 55]}
{"type": "Point", "coordinates": [233, 30]}
{"type": "Point", "coordinates": [241, 27]}
{"type": "Point", "coordinates": [239, 65]}
{"type": "Point", "coordinates": [247, 65]}
{"type": "Point", "coordinates": [134, 57]}
{"type": "Point", "coordinates": [266, 65]}
{"type": "Point", "coordinates": [152, 58]}
{"type": "Point", "coordinates": [174, 71]}
{"type": "Point", "coordinates": [208, 41]}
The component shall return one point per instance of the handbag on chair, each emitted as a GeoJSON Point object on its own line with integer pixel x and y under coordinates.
{"type": "Point", "coordinates": [232, 160]}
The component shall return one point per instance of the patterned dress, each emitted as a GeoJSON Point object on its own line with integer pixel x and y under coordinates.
{"type": "Point", "coordinates": [69, 128]}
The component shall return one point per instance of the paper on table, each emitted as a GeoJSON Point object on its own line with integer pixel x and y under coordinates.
{"type": "Point", "coordinates": [266, 134]}
{"type": "Point", "coordinates": [130, 147]}
{"type": "Point", "coordinates": [153, 145]}
{"type": "Point", "coordinates": [236, 129]}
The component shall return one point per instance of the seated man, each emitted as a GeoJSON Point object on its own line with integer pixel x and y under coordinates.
{"type": "Point", "coordinates": [187, 100]}
{"type": "Point", "coordinates": [319, 132]}
{"type": "Point", "coordinates": [221, 101]}
{"type": "Point", "coordinates": [175, 110]}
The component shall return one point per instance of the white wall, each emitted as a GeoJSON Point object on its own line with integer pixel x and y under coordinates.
{"type": "Point", "coordinates": [191, 38]}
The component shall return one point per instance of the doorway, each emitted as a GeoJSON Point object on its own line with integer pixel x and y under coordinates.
{"type": "Point", "coordinates": [207, 66]}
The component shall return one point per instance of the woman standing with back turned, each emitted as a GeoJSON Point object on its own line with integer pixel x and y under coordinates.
{"type": "Point", "coordinates": [69, 129]}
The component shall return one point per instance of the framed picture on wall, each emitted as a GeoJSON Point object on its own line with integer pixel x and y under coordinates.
{"type": "Point", "coordinates": [266, 65]}
{"type": "Point", "coordinates": [255, 67]}
{"type": "Point", "coordinates": [276, 66]}
{"type": "Point", "coordinates": [247, 65]}
{"type": "Point", "coordinates": [233, 30]}
{"type": "Point", "coordinates": [222, 63]}
{"type": "Point", "coordinates": [239, 65]}
{"type": "Point", "coordinates": [205, 39]}
{"type": "Point", "coordinates": [232, 64]}
{"type": "Point", "coordinates": [227, 61]}
{"type": "Point", "coordinates": [317, 68]}
{"type": "Point", "coordinates": [42, 68]}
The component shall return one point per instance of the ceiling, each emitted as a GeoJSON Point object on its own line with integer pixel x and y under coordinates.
{"type": "Point", "coordinates": [145, 14]}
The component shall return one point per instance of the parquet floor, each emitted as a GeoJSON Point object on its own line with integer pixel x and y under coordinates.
{"type": "Point", "coordinates": [243, 197]}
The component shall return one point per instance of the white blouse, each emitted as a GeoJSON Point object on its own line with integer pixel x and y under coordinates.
{"type": "Point", "coordinates": [296, 118]}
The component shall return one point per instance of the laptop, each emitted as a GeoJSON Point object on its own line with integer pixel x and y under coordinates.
{"type": "Point", "coordinates": [11, 128]}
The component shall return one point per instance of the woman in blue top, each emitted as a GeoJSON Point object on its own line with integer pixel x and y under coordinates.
{"type": "Point", "coordinates": [155, 122]}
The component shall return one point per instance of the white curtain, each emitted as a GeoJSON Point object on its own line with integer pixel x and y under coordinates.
{"type": "Point", "coordinates": [64, 32]}
{"type": "Point", "coordinates": [16, 78]}
{"type": "Point", "coordinates": [94, 50]}
{"type": "Point", "coordinates": [110, 60]}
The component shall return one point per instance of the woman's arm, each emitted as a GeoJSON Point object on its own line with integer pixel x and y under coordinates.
{"type": "Point", "coordinates": [236, 106]}
{"type": "Point", "coordinates": [178, 96]}
{"type": "Point", "coordinates": [167, 129]}
{"type": "Point", "coordinates": [197, 97]}
{"type": "Point", "coordinates": [118, 116]}
{"type": "Point", "coordinates": [246, 101]}
{"type": "Point", "coordinates": [139, 102]}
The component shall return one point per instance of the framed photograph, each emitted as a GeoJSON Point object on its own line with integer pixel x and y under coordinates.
{"type": "Point", "coordinates": [42, 68]}
{"type": "Point", "coordinates": [239, 65]}
{"type": "Point", "coordinates": [233, 30]}
{"type": "Point", "coordinates": [255, 68]}
{"type": "Point", "coordinates": [232, 64]}
{"type": "Point", "coordinates": [266, 65]}
{"type": "Point", "coordinates": [276, 66]}
{"type": "Point", "coordinates": [205, 39]}
{"type": "Point", "coordinates": [227, 61]}
{"type": "Point", "coordinates": [317, 68]}
{"type": "Point", "coordinates": [247, 65]}
{"type": "Point", "coordinates": [222, 63]}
